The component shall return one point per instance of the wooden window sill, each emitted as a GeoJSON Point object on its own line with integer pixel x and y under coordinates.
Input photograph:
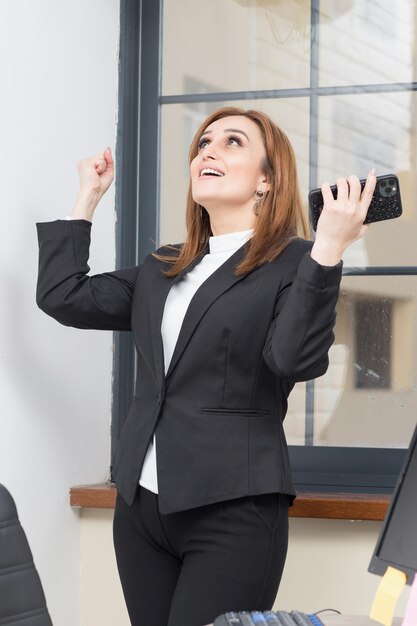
{"type": "Point", "coordinates": [352, 506]}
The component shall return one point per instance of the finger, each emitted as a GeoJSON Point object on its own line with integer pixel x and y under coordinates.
{"type": "Point", "coordinates": [368, 190]}
{"type": "Point", "coordinates": [327, 194]}
{"type": "Point", "coordinates": [342, 189]}
{"type": "Point", "coordinates": [100, 165]}
{"type": "Point", "coordinates": [108, 157]}
{"type": "Point", "coordinates": [354, 188]}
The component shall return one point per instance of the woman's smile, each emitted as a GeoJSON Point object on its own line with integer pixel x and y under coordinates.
{"type": "Point", "coordinates": [210, 172]}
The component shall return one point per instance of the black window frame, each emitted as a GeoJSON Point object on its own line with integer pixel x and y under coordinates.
{"type": "Point", "coordinates": [315, 468]}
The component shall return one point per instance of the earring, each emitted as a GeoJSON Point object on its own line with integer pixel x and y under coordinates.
{"type": "Point", "coordinates": [259, 195]}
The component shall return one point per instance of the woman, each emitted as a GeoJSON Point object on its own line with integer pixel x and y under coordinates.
{"type": "Point", "coordinates": [224, 325]}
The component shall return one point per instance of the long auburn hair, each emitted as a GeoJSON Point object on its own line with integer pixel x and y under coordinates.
{"type": "Point", "coordinates": [281, 214]}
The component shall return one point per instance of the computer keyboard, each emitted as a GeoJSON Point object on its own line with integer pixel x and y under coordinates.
{"type": "Point", "coordinates": [271, 618]}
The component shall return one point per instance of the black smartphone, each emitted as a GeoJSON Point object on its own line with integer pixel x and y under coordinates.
{"type": "Point", "coordinates": [385, 203]}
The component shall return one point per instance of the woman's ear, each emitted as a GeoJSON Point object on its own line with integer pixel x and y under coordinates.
{"type": "Point", "coordinates": [266, 186]}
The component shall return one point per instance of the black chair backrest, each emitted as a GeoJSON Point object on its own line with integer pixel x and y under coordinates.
{"type": "Point", "coordinates": [22, 601]}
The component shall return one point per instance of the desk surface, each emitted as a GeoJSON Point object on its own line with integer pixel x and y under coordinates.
{"type": "Point", "coordinates": [331, 619]}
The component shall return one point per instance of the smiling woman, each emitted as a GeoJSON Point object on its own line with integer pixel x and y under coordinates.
{"type": "Point", "coordinates": [225, 325]}
{"type": "Point", "coordinates": [258, 187]}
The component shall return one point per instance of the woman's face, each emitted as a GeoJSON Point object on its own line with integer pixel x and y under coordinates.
{"type": "Point", "coordinates": [227, 171]}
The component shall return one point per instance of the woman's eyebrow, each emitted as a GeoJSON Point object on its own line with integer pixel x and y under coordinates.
{"type": "Point", "coordinates": [228, 130]}
{"type": "Point", "coordinates": [236, 130]}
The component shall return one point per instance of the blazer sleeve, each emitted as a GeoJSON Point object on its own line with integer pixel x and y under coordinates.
{"type": "Point", "coordinates": [301, 332]}
{"type": "Point", "coordinates": [65, 291]}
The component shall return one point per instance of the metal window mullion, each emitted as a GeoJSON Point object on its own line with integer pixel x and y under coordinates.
{"type": "Point", "coordinates": [381, 270]}
{"type": "Point", "coordinates": [136, 171]}
{"type": "Point", "coordinates": [296, 92]}
{"type": "Point", "coordinates": [126, 202]}
{"type": "Point", "coordinates": [149, 127]}
{"type": "Point", "coordinates": [313, 161]}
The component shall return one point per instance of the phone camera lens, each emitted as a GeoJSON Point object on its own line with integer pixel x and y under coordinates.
{"type": "Point", "coordinates": [387, 187]}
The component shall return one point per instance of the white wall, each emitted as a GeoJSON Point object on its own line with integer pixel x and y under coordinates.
{"type": "Point", "coordinates": [327, 567]}
{"type": "Point", "coordinates": [58, 85]}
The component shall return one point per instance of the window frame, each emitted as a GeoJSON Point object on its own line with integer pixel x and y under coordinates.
{"type": "Point", "coordinates": [137, 171]}
{"type": "Point", "coordinates": [319, 468]}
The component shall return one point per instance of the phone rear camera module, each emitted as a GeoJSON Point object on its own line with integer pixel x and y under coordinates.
{"type": "Point", "coordinates": [387, 188]}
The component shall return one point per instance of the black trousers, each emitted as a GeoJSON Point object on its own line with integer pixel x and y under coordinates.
{"type": "Point", "coordinates": [185, 569]}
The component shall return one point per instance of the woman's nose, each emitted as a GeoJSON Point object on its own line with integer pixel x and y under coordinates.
{"type": "Point", "coordinates": [208, 153]}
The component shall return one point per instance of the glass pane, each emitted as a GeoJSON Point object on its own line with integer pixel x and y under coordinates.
{"type": "Point", "coordinates": [179, 124]}
{"type": "Point", "coordinates": [368, 396]}
{"type": "Point", "coordinates": [364, 42]}
{"type": "Point", "coordinates": [237, 45]}
{"type": "Point", "coordinates": [357, 133]}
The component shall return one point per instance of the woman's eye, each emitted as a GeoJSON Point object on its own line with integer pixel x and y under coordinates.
{"type": "Point", "coordinates": [232, 140]}
{"type": "Point", "coordinates": [203, 143]}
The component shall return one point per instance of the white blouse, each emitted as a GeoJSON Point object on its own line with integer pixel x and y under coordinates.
{"type": "Point", "coordinates": [221, 247]}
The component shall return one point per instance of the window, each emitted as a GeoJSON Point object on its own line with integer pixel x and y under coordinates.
{"type": "Point", "coordinates": [324, 72]}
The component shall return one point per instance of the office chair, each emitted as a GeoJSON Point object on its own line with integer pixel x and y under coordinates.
{"type": "Point", "coordinates": [22, 601]}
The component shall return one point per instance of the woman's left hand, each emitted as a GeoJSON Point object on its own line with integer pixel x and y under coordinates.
{"type": "Point", "coordinates": [342, 220]}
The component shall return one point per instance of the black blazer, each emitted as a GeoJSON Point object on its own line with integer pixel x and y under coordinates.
{"type": "Point", "coordinates": [244, 342]}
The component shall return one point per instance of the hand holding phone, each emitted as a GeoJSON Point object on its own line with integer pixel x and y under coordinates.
{"type": "Point", "coordinates": [342, 219]}
{"type": "Point", "coordinates": [385, 203]}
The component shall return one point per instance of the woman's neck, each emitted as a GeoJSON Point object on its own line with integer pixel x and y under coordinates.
{"type": "Point", "coordinates": [223, 223]}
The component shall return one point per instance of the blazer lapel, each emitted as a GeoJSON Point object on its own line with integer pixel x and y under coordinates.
{"type": "Point", "coordinates": [220, 281]}
{"type": "Point", "coordinates": [157, 301]}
